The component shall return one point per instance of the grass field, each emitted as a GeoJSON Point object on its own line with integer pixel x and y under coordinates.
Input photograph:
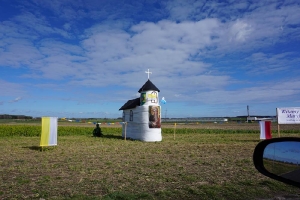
{"type": "Point", "coordinates": [194, 165]}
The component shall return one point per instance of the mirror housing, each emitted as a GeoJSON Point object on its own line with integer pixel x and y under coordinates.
{"type": "Point", "coordinates": [279, 159]}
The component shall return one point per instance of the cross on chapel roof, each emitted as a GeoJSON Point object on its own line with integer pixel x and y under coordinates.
{"type": "Point", "coordinates": [148, 72]}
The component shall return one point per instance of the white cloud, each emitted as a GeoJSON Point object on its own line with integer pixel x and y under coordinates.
{"type": "Point", "coordinates": [67, 26]}
{"type": "Point", "coordinates": [262, 63]}
{"type": "Point", "coordinates": [240, 31]}
{"type": "Point", "coordinates": [16, 99]}
{"type": "Point", "coordinates": [18, 52]}
{"type": "Point", "coordinates": [9, 89]}
{"type": "Point", "coordinates": [265, 93]}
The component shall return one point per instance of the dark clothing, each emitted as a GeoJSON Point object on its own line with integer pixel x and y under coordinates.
{"type": "Point", "coordinates": [97, 131]}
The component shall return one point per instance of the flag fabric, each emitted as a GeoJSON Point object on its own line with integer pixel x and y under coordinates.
{"type": "Point", "coordinates": [265, 130]}
{"type": "Point", "coordinates": [163, 101]}
{"type": "Point", "coordinates": [49, 131]}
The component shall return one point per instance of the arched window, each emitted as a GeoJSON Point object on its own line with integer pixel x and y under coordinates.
{"type": "Point", "coordinates": [131, 115]}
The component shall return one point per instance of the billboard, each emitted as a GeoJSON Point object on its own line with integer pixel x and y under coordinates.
{"type": "Point", "coordinates": [288, 115]}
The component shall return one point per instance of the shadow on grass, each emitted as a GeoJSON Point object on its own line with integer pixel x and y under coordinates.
{"type": "Point", "coordinates": [39, 148]}
{"type": "Point", "coordinates": [116, 137]}
{"type": "Point", "coordinates": [113, 137]}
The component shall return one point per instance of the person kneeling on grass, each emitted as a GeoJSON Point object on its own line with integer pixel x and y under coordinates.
{"type": "Point", "coordinates": [97, 131]}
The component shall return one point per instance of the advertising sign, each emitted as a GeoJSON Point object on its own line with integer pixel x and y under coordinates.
{"type": "Point", "coordinates": [288, 115]}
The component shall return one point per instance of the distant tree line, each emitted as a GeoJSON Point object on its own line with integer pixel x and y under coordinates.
{"type": "Point", "coordinates": [5, 116]}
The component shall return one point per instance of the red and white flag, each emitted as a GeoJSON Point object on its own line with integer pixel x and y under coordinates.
{"type": "Point", "coordinates": [265, 130]}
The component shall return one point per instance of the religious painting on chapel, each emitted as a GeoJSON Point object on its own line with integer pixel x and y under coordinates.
{"type": "Point", "coordinates": [143, 98]}
{"type": "Point", "coordinates": [154, 117]}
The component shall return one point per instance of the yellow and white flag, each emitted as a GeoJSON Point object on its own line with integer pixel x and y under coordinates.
{"type": "Point", "coordinates": [49, 131]}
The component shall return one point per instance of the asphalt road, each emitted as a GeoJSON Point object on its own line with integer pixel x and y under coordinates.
{"type": "Point", "coordinates": [293, 175]}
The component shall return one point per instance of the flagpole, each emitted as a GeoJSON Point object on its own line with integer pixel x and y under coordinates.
{"type": "Point", "coordinates": [278, 126]}
{"type": "Point", "coordinates": [174, 131]}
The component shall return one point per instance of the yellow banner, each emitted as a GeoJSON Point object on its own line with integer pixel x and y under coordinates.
{"type": "Point", "coordinates": [45, 131]}
{"type": "Point", "coordinates": [49, 131]}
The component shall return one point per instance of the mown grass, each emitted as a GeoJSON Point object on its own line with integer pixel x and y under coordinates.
{"type": "Point", "coordinates": [196, 165]}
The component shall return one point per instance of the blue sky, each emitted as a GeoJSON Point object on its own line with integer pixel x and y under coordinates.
{"type": "Point", "coordinates": [283, 151]}
{"type": "Point", "coordinates": [75, 58]}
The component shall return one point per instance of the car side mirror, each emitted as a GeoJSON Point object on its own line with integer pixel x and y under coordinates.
{"type": "Point", "coordinates": [279, 159]}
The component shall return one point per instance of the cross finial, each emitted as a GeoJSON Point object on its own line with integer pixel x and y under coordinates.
{"type": "Point", "coordinates": [148, 72]}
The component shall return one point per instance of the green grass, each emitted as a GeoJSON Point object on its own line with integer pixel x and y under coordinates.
{"type": "Point", "coordinates": [196, 165]}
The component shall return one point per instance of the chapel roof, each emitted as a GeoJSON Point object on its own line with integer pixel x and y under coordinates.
{"type": "Point", "coordinates": [136, 102]}
{"type": "Point", "coordinates": [148, 86]}
{"type": "Point", "coordinates": [131, 104]}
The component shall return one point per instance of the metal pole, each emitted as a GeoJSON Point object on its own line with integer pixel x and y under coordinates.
{"type": "Point", "coordinates": [125, 130]}
{"type": "Point", "coordinates": [174, 131]}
